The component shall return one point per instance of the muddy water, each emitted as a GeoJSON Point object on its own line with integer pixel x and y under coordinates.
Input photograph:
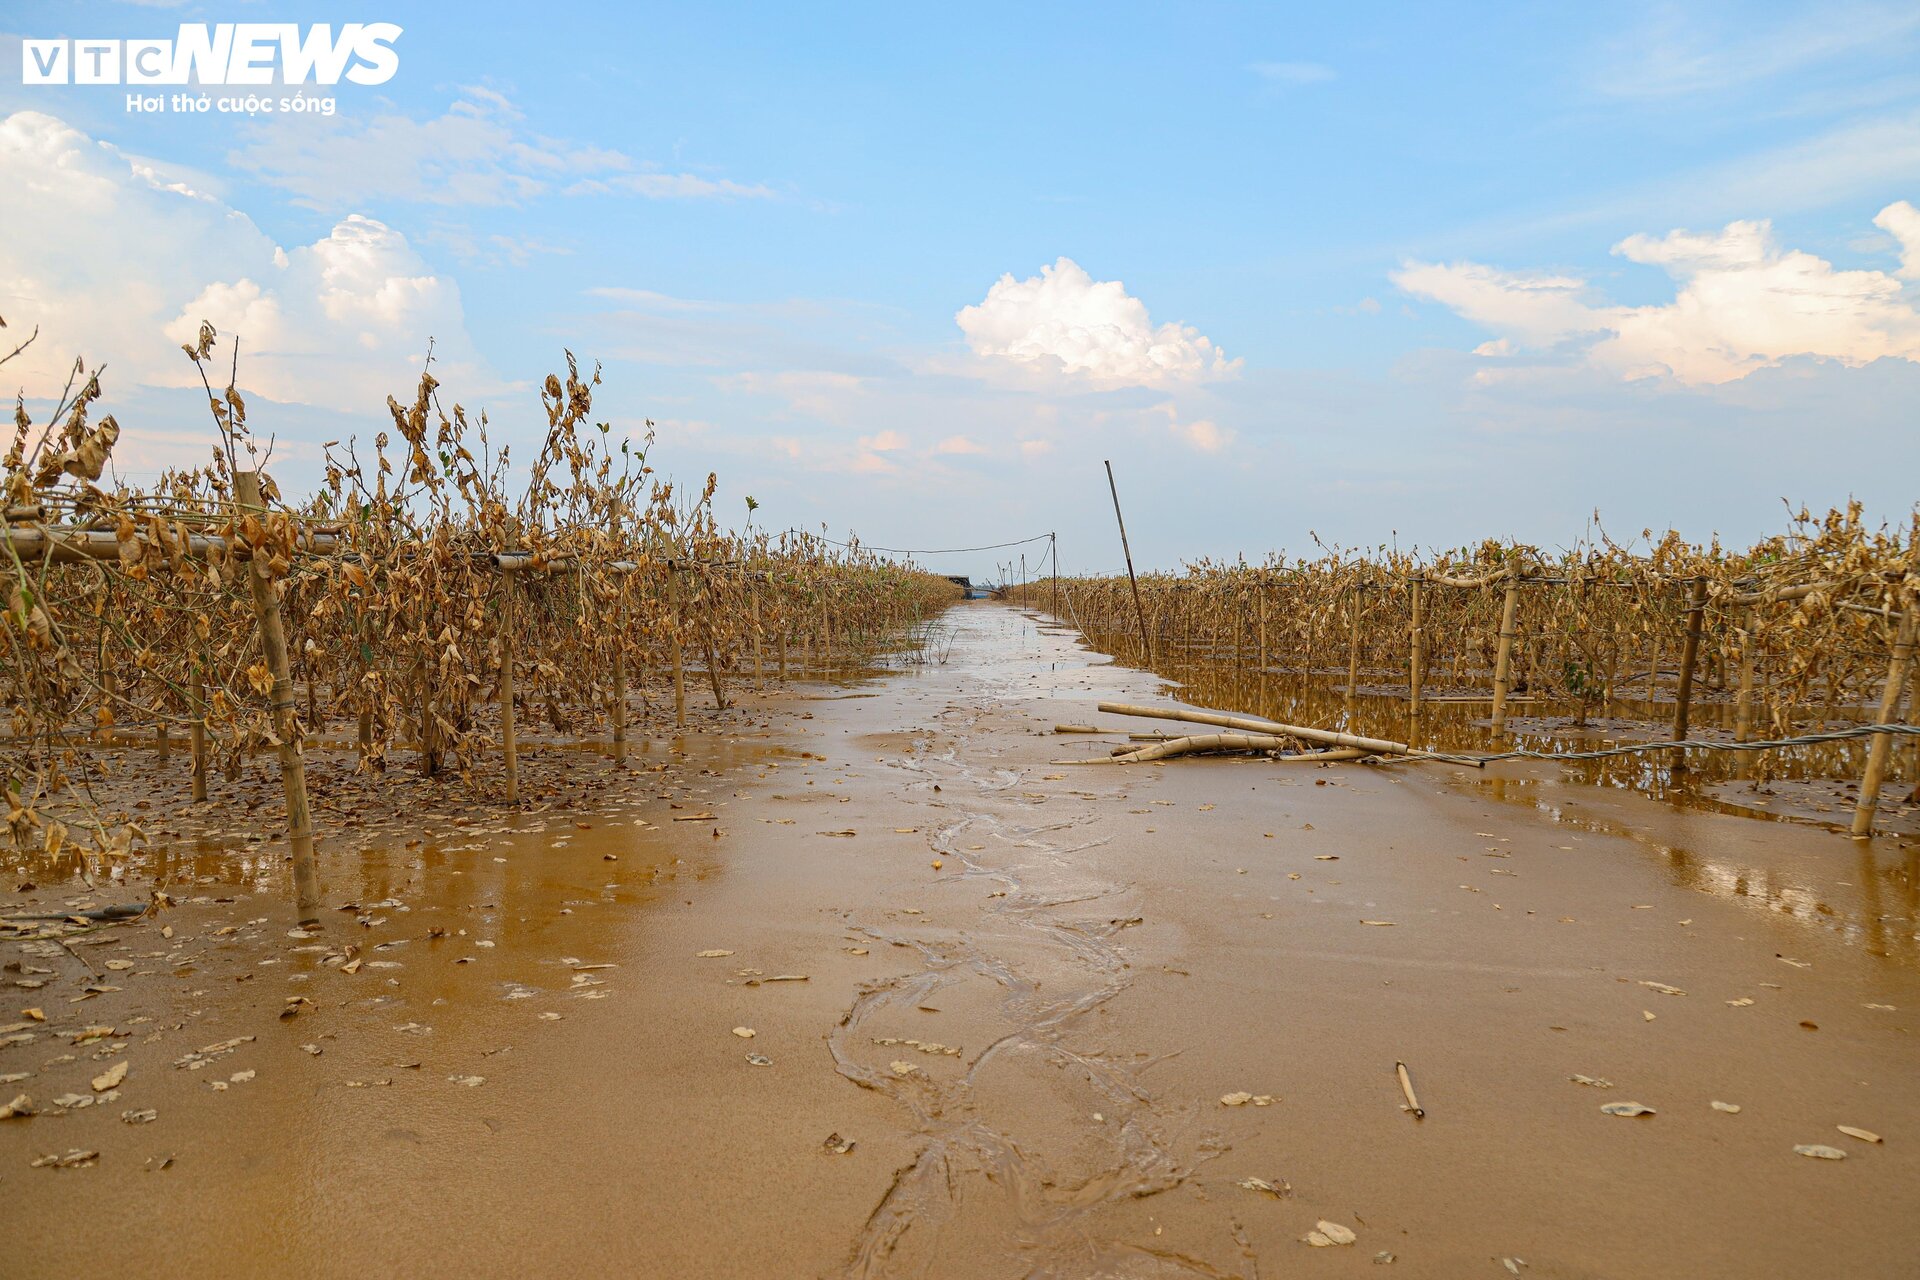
{"type": "Point", "coordinates": [1026, 1044]}
{"type": "Point", "coordinates": [1811, 782]}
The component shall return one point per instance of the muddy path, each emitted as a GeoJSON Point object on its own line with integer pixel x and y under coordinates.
{"type": "Point", "coordinates": [995, 1005]}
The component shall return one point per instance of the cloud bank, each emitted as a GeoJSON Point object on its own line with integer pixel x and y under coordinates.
{"type": "Point", "coordinates": [120, 263]}
{"type": "Point", "coordinates": [1741, 303]}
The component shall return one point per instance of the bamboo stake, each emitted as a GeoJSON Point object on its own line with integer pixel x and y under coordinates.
{"type": "Point", "coordinates": [509, 744]}
{"type": "Point", "coordinates": [1503, 658]}
{"type": "Point", "coordinates": [1689, 655]}
{"type": "Point", "coordinates": [1414, 673]}
{"type": "Point", "coordinates": [1353, 649]}
{"type": "Point", "coordinates": [620, 691]}
{"type": "Point", "coordinates": [753, 597]}
{"type": "Point", "coordinates": [1146, 643]}
{"type": "Point", "coordinates": [293, 769]}
{"type": "Point", "coordinates": [1865, 810]}
{"type": "Point", "coordinates": [1743, 704]}
{"type": "Point", "coordinates": [1260, 635]}
{"type": "Point", "coordinates": [198, 731]}
{"type": "Point", "coordinates": [679, 669]}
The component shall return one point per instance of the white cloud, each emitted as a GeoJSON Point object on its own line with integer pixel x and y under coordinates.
{"type": "Point", "coordinates": [1200, 434]}
{"type": "Point", "coordinates": [120, 265]}
{"type": "Point", "coordinates": [478, 152]}
{"type": "Point", "coordinates": [673, 186]}
{"type": "Point", "coordinates": [1679, 52]}
{"type": "Point", "coordinates": [1741, 303]}
{"type": "Point", "coordinates": [1292, 72]}
{"type": "Point", "coordinates": [888, 441]}
{"type": "Point", "coordinates": [1064, 320]}
{"type": "Point", "coordinates": [958, 445]}
{"type": "Point", "coordinates": [1902, 222]}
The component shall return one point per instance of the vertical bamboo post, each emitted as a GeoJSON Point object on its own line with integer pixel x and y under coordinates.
{"type": "Point", "coordinates": [429, 755]}
{"type": "Point", "coordinates": [1414, 673]}
{"type": "Point", "coordinates": [1503, 655]}
{"type": "Point", "coordinates": [1743, 704]}
{"type": "Point", "coordinates": [509, 743]}
{"type": "Point", "coordinates": [620, 695]}
{"type": "Point", "coordinates": [1260, 633]}
{"type": "Point", "coordinates": [105, 732]}
{"type": "Point", "coordinates": [1146, 643]}
{"type": "Point", "coordinates": [1353, 648]}
{"type": "Point", "coordinates": [1913, 743]}
{"type": "Point", "coordinates": [1689, 656]}
{"type": "Point", "coordinates": [753, 595]}
{"type": "Point", "coordinates": [1053, 549]}
{"type": "Point", "coordinates": [1653, 669]}
{"type": "Point", "coordinates": [197, 732]}
{"type": "Point", "coordinates": [1870, 782]}
{"type": "Point", "coordinates": [674, 620]}
{"type": "Point", "coordinates": [293, 769]}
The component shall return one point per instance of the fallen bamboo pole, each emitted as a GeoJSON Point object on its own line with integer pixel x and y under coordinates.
{"type": "Point", "coordinates": [1247, 724]}
{"type": "Point", "coordinates": [1206, 742]}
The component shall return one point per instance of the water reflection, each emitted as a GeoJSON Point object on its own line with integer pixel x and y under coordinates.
{"type": "Point", "coordinates": [1459, 720]}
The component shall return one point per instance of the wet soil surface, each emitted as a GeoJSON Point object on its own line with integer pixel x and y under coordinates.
{"type": "Point", "coordinates": [1008, 1017]}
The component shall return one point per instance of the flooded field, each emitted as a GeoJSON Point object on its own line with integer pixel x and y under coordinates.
{"type": "Point", "coordinates": [864, 981]}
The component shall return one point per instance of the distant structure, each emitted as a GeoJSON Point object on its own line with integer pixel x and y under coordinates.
{"type": "Point", "coordinates": [965, 583]}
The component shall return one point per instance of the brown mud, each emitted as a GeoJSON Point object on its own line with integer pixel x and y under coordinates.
{"type": "Point", "coordinates": [1020, 991]}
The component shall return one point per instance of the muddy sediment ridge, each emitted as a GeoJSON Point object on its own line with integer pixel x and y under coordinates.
{"type": "Point", "coordinates": [885, 979]}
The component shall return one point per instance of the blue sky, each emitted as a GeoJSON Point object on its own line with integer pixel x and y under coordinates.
{"type": "Point", "coordinates": [1374, 273]}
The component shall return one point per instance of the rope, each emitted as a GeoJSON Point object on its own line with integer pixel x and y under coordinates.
{"type": "Point", "coordinates": [928, 551]}
{"type": "Point", "coordinates": [1687, 744]}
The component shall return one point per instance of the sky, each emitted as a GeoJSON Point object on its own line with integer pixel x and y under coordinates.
{"type": "Point", "coordinates": [1371, 274]}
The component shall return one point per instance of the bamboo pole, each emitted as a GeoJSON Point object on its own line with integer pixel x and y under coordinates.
{"type": "Point", "coordinates": [1353, 648]}
{"type": "Point", "coordinates": [679, 667]}
{"type": "Point", "coordinates": [759, 673]}
{"type": "Point", "coordinates": [1249, 724]}
{"type": "Point", "coordinates": [1689, 655]}
{"type": "Point", "coordinates": [293, 769]}
{"type": "Point", "coordinates": [1228, 742]}
{"type": "Point", "coordinates": [1743, 703]}
{"type": "Point", "coordinates": [1865, 809]}
{"type": "Point", "coordinates": [197, 733]}
{"type": "Point", "coordinates": [509, 743]}
{"type": "Point", "coordinates": [620, 679]}
{"type": "Point", "coordinates": [1260, 633]}
{"type": "Point", "coordinates": [1146, 643]}
{"type": "Point", "coordinates": [1503, 657]}
{"type": "Point", "coordinates": [1416, 656]}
